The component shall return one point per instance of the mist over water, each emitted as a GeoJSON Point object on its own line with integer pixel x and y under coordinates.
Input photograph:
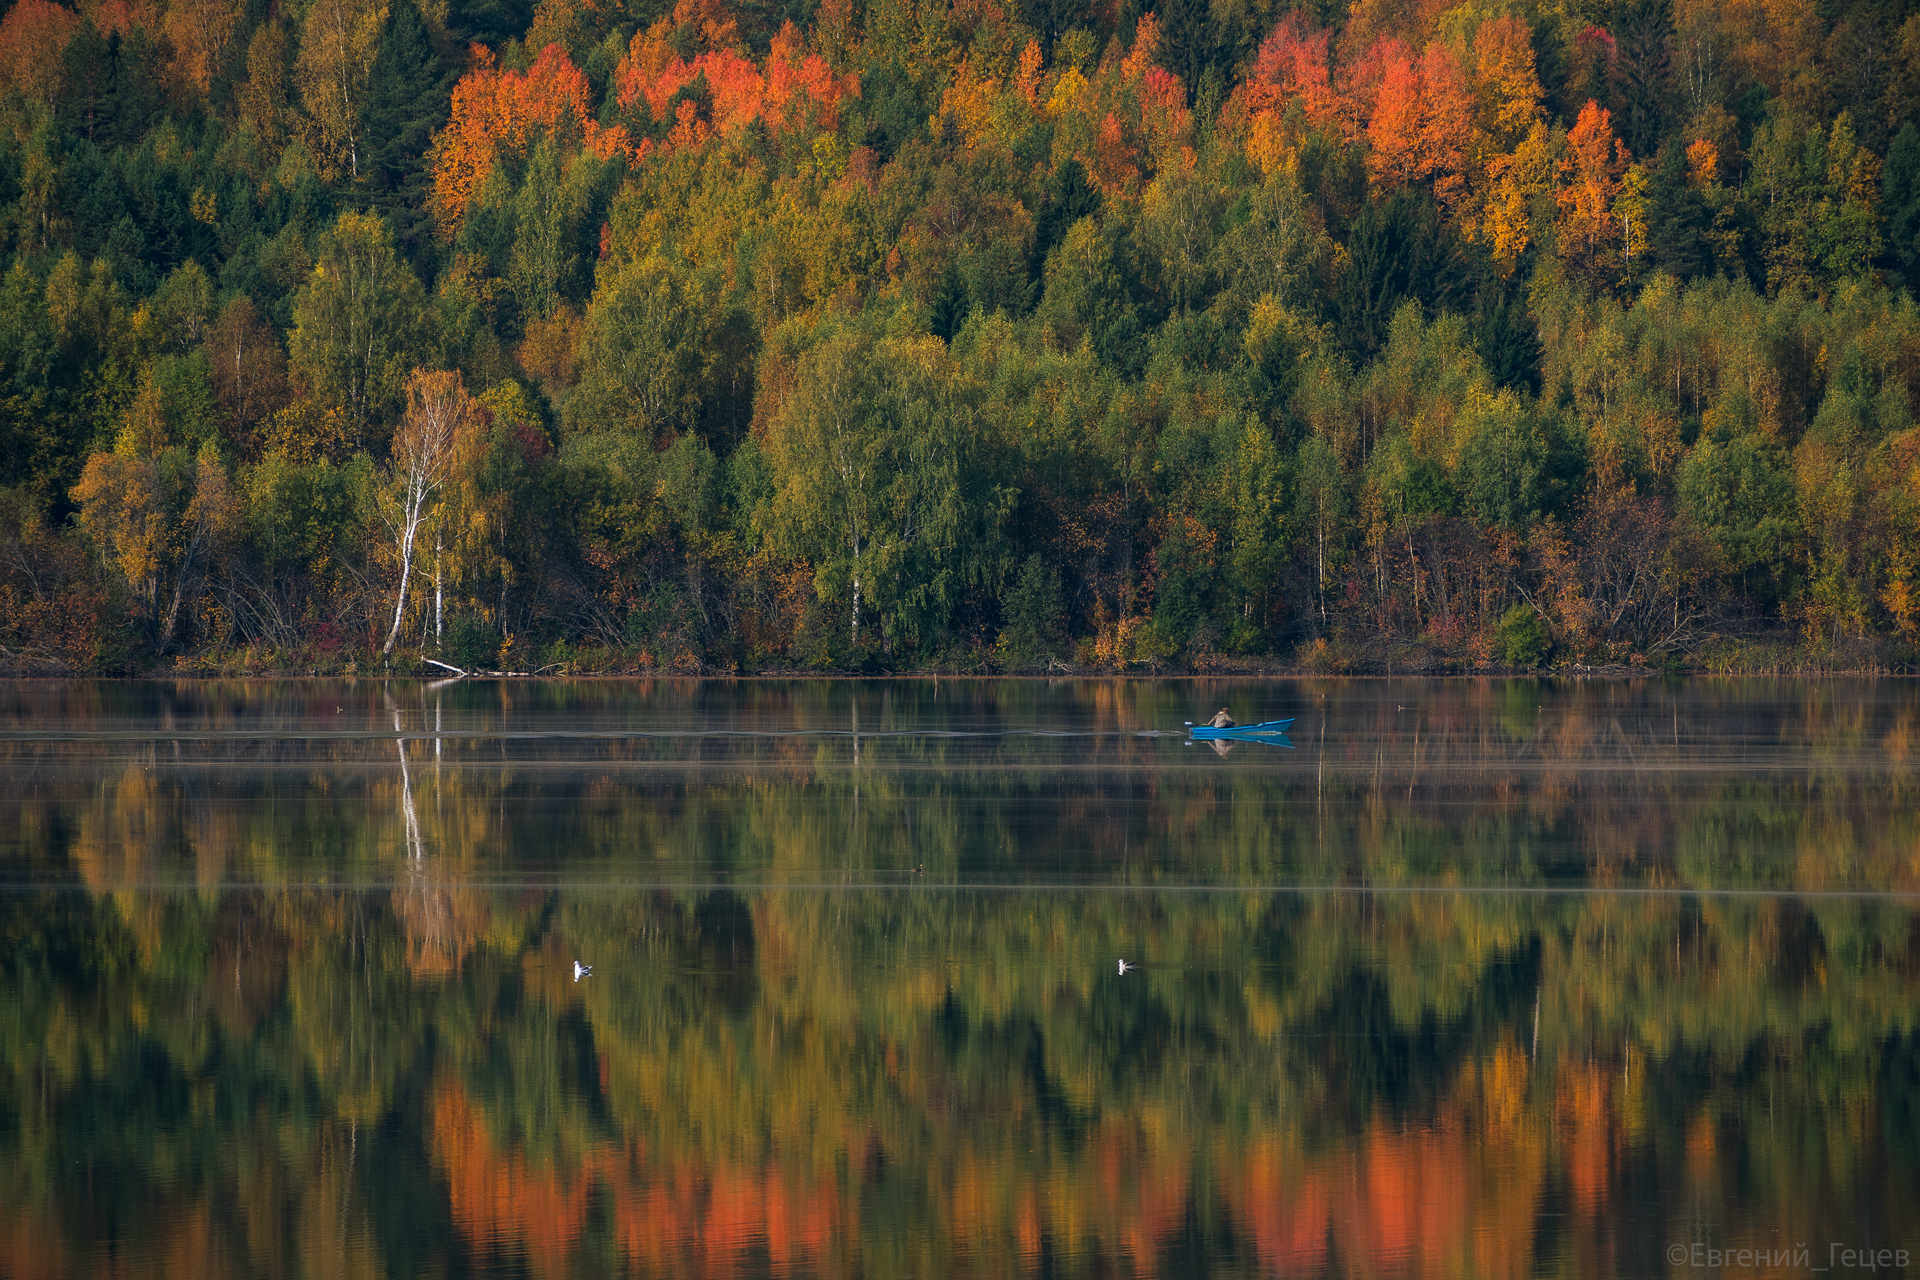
{"type": "Point", "coordinates": [1464, 978]}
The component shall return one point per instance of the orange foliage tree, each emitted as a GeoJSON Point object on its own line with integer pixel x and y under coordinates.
{"type": "Point", "coordinates": [1293, 63]}
{"type": "Point", "coordinates": [1422, 121]}
{"type": "Point", "coordinates": [497, 112]}
{"type": "Point", "coordinates": [199, 31]}
{"type": "Point", "coordinates": [1590, 183]}
{"type": "Point", "coordinates": [1420, 113]}
{"type": "Point", "coordinates": [1128, 120]}
{"type": "Point", "coordinates": [795, 93]}
{"type": "Point", "coordinates": [1703, 163]}
{"type": "Point", "coordinates": [1291, 67]}
{"type": "Point", "coordinates": [33, 36]}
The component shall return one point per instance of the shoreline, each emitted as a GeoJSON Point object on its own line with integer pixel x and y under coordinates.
{"type": "Point", "coordinates": [12, 672]}
{"type": "Point", "coordinates": [1379, 658]}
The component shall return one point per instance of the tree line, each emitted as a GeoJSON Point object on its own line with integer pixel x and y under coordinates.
{"type": "Point", "coordinates": [957, 333]}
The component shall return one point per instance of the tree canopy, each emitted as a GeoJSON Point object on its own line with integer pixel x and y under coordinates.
{"type": "Point", "coordinates": [843, 337]}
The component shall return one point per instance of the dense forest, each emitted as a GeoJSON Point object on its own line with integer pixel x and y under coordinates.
{"type": "Point", "coordinates": [343, 334]}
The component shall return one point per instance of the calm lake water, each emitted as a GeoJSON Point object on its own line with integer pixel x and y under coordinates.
{"type": "Point", "coordinates": [1467, 979]}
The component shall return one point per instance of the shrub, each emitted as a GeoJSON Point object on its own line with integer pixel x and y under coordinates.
{"type": "Point", "coordinates": [1523, 636]}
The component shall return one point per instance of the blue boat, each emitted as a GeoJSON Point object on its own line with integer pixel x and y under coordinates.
{"type": "Point", "coordinates": [1265, 729]}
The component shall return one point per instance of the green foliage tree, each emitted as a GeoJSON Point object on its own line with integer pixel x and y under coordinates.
{"type": "Point", "coordinates": [1523, 636]}
{"type": "Point", "coordinates": [359, 324]}
{"type": "Point", "coordinates": [1508, 473]}
{"type": "Point", "coordinates": [1735, 488]}
{"type": "Point", "coordinates": [1034, 614]}
{"type": "Point", "coordinates": [887, 483]}
{"type": "Point", "coordinates": [1900, 197]}
{"type": "Point", "coordinates": [643, 360]}
{"type": "Point", "coordinates": [408, 90]}
{"type": "Point", "coordinates": [548, 210]}
{"type": "Point", "coordinates": [1399, 249]}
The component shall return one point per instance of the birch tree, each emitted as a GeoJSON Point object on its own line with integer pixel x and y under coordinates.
{"type": "Point", "coordinates": [886, 482]}
{"type": "Point", "coordinates": [359, 324]}
{"type": "Point", "coordinates": [642, 356]}
{"type": "Point", "coordinates": [335, 69]}
{"type": "Point", "coordinates": [439, 413]}
{"type": "Point", "coordinates": [156, 517]}
{"type": "Point", "coordinates": [199, 31]}
{"type": "Point", "coordinates": [826, 449]}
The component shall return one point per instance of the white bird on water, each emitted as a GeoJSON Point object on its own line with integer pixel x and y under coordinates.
{"type": "Point", "coordinates": [1124, 966]}
{"type": "Point", "coordinates": [581, 970]}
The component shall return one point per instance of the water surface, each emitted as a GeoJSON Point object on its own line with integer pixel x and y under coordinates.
{"type": "Point", "coordinates": [1465, 978]}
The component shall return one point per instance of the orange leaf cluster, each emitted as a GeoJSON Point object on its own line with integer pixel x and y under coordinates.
{"type": "Point", "coordinates": [1165, 122]}
{"type": "Point", "coordinates": [803, 95]}
{"type": "Point", "coordinates": [1595, 160]}
{"type": "Point", "coordinates": [33, 36]}
{"type": "Point", "coordinates": [673, 1217]}
{"type": "Point", "coordinates": [1590, 180]}
{"type": "Point", "coordinates": [1136, 111]}
{"type": "Point", "coordinates": [1146, 42]}
{"type": "Point", "coordinates": [495, 110]}
{"type": "Point", "coordinates": [1293, 63]}
{"type": "Point", "coordinates": [1113, 167]}
{"type": "Point", "coordinates": [112, 16]}
{"type": "Point", "coordinates": [1027, 78]}
{"type": "Point", "coordinates": [1163, 106]}
{"type": "Point", "coordinates": [794, 92]}
{"type": "Point", "coordinates": [1703, 163]}
{"type": "Point", "coordinates": [1441, 116]}
{"type": "Point", "coordinates": [969, 101]}
{"type": "Point", "coordinates": [200, 31]}
{"type": "Point", "coordinates": [1421, 122]}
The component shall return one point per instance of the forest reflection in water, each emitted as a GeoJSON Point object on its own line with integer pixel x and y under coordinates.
{"type": "Point", "coordinates": [1508, 990]}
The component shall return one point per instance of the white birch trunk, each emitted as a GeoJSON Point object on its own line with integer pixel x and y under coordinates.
{"type": "Point", "coordinates": [856, 591]}
{"type": "Point", "coordinates": [410, 525]}
{"type": "Point", "coordinates": [423, 448]}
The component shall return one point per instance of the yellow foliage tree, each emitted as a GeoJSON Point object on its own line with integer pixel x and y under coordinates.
{"type": "Point", "coordinates": [155, 516]}
{"type": "Point", "coordinates": [335, 67]}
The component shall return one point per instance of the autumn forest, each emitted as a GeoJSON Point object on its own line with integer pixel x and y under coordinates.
{"type": "Point", "coordinates": [998, 335]}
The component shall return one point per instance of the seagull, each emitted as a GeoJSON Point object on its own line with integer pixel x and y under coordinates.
{"type": "Point", "coordinates": [581, 970]}
{"type": "Point", "coordinates": [1124, 966]}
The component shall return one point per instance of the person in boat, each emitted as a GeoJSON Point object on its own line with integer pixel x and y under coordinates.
{"type": "Point", "coordinates": [1221, 720]}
